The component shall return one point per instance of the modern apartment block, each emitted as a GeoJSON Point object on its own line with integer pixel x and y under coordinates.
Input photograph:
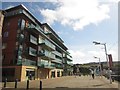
{"type": "Point", "coordinates": [30, 48]}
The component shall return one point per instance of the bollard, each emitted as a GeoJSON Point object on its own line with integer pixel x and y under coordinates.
{"type": "Point", "coordinates": [16, 80]}
{"type": "Point", "coordinates": [5, 82]}
{"type": "Point", "coordinates": [40, 85]}
{"type": "Point", "coordinates": [27, 84]}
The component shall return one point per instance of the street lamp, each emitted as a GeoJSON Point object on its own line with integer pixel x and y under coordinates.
{"type": "Point", "coordinates": [98, 43]}
{"type": "Point", "coordinates": [99, 65]}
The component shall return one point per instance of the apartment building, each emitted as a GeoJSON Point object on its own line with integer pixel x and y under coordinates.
{"type": "Point", "coordinates": [30, 49]}
{"type": "Point", "coordinates": [1, 25]}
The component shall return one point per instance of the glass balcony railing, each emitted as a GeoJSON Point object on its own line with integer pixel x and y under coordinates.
{"type": "Point", "coordinates": [29, 62]}
{"type": "Point", "coordinates": [69, 63]}
{"type": "Point", "coordinates": [46, 55]}
{"type": "Point", "coordinates": [59, 66]}
{"type": "Point", "coordinates": [21, 38]}
{"type": "Point", "coordinates": [45, 65]}
{"type": "Point", "coordinates": [57, 53]}
{"type": "Point", "coordinates": [48, 45]}
{"type": "Point", "coordinates": [69, 57]}
{"type": "Point", "coordinates": [57, 61]}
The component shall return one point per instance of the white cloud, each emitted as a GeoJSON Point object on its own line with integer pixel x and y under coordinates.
{"type": "Point", "coordinates": [86, 53]}
{"type": "Point", "coordinates": [77, 13]}
{"type": "Point", "coordinates": [77, 56]}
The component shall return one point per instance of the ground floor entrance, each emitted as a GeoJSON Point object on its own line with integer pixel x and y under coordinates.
{"type": "Point", "coordinates": [23, 73]}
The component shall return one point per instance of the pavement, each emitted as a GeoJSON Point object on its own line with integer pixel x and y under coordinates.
{"type": "Point", "coordinates": [67, 83]}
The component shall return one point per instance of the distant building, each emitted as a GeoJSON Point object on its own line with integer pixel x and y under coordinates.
{"type": "Point", "coordinates": [31, 49]}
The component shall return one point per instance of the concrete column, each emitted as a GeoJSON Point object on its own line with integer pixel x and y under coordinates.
{"type": "Point", "coordinates": [23, 73]}
{"type": "Point", "coordinates": [55, 73]}
{"type": "Point", "coordinates": [60, 73]}
{"type": "Point", "coordinates": [49, 73]}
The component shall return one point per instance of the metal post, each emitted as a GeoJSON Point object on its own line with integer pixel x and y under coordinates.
{"type": "Point", "coordinates": [40, 85]}
{"type": "Point", "coordinates": [108, 63]}
{"type": "Point", "coordinates": [27, 84]}
{"type": "Point", "coordinates": [5, 82]}
{"type": "Point", "coordinates": [97, 43]}
{"type": "Point", "coordinates": [100, 67]}
{"type": "Point", "coordinates": [16, 80]}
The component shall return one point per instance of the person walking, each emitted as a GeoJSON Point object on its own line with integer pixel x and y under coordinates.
{"type": "Point", "coordinates": [93, 75]}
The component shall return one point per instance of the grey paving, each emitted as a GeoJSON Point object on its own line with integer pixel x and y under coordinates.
{"type": "Point", "coordinates": [68, 82]}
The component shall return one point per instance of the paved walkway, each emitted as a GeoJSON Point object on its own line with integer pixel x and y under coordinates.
{"type": "Point", "coordinates": [69, 82]}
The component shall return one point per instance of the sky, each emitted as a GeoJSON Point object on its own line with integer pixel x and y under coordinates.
{"type": "Point", "coordinates": [79, 23]}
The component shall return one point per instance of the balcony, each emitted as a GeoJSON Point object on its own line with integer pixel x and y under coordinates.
{"type": "Point", "coordinates": [46, 55]}
{"type": "Point", "coordinates": [69, 63]}
{"type": "Point", "coordinates": [68, 57]}
{"type": "Point", "coordinates": [32, 51]}
{"type": "Point", "coordinates": [33, 40]}
{"type": "Point", "coordinates": [20, 38]}
{"type": "Point", "coordinates": [57, 53]}
{"type": "Point", "coordinates": [45, 65]}
{"type": "Point", "coordinates": [34, 29]}
{"type": "Point", "coordinates": [59, 66]}
{"type": "Point", "coordinates": [57, 61]}
{"type": "Point", "coordinates": [47, 44]}
{"type": "Point", "coordinates": [28, 62]}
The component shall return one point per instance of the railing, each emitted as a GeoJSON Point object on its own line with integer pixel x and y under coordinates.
{"type": "Point", "coordinates": [57, 60]}
{"type": "Point", "coordinates": [45, 65]}
{"type": "Point", "coordinates": [69, 57]}
{"type": "Point", "coordinates": [69, 63]}
{"type": "Point", "coordinates": [59, 66]}
{"type": "Point", "coordinates": [57, 53]}
{"type": "Point", "coordinates": [46, 55]}
{"type": "Point", "coordinates": [29, 62]}
{"type": "Point", "coordinates": [47, 43]}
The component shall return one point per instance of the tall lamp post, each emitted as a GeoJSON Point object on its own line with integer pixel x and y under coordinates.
{"type": "Point", "coordinates": [98, 43]}
{"type": "Point", "coordinates": [99, 65]}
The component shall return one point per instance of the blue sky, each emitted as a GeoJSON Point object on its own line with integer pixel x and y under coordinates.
{"type": "Point", "coordinates": [79, 25]}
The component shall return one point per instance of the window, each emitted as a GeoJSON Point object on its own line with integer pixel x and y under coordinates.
{"type": "Point", "coordinates": [33, 39]}
{"type": "Point", "coordinates": [32, 51]}
{"type": "Point", "coordinates": [5, 34]}
{"type": "Point", "coordinates": [21, 24]}
{"type": "Point", "coordinates": [4, 45]}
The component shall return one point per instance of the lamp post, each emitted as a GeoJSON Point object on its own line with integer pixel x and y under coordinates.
{"type": "Point", "coordinates": [98, 43]}
{"type": "Point", "coordinates": [99, 65]}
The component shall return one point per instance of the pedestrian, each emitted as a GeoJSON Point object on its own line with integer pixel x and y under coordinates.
{"type": "Point", "coordinates": [30, 76]}
{"type": "Point", "coordinates": [92, 72]}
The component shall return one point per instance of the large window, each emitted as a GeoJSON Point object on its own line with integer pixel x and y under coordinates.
{"type": "Point", "coordinates": [33, 39]}
{"type": "Point", "coordinates": [32, 51]}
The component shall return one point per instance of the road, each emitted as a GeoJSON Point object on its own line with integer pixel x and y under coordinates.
{"type": "Point", "coordinates": [69, 83]}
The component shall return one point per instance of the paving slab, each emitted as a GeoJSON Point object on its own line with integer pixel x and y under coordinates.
{"type": "Point", "coordinates": [67, 83]}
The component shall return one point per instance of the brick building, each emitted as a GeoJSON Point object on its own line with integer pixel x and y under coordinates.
{"type": "Point", "coordinates": [30, 48]}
